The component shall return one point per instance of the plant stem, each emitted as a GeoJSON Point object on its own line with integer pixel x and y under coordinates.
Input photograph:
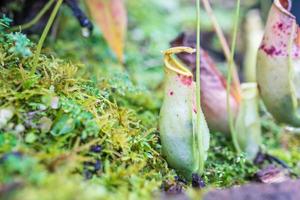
{"type": "Point", "coordinates": [229, 77]}
{"type": "Point", "coordinates": [217, 28]}
{"type": "Point", "coordinates": [291, 71]}
{"type": "Point", "coordinates": [35, 19]}
{"type": "Point", "coordinates": [198, 91]}
{"type": "Point", "coordinates": [44, 35]}
{"type": "Point", "coordinates": [224, 44]}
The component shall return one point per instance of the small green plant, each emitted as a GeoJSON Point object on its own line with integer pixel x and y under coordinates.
{"type": "Point", "coordinates": [224, 167]}
{"type": "Point", "coordinates": [72, 116]}
{"type": "Point", "coordinates": [4, 23]}
{"type": "Point", "coordinates": [19, 44]}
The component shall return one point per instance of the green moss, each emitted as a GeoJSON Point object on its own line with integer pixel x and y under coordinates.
{"type": "Point", "coordinates": [56, 117]}
{"type": "Point", "coordinates": [224, 168]}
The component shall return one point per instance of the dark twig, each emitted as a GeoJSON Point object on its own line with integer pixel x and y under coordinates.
{"type": "Point", "coordinates": [79, 14]}
{"type": "Point", "coordinates": [273, 159]}
{"type": "Point", "coordinates": [261, 157]}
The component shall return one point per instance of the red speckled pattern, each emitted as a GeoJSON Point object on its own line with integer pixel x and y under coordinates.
{"type": "Point", "coordinates": [278, 33]}
{"type": "Point", "coordinates": [213, 85]}
{"type": "Point", "coordinates": [271, 51]}
{"type": "Point", "coordinates": [186, 80]}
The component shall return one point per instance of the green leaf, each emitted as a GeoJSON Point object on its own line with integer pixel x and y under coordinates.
{"type": "Point", "coordinates": [63, 125]}
{"type": "Point", "coordinates": [30, 138]}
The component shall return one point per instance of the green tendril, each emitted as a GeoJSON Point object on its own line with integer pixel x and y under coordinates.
{"type": "Point", "coordinates": [229, 78]}
{"type": "Point", "coordinates": [35, 19]}
{"type": "Point", "coordinates": [44, 35]}
{"type": "Point", "coordinates": [198, 92]}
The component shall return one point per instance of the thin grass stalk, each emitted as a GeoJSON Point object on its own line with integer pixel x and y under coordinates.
{"type": "Point", "coordinates": [229, 78]}
{"type": "Point", "coordinates": [44, 35]}
{"type": "Point", "coordinates": [198, 90]}
{"type": "Point", "coordinates": [291, 65]}
{"type": "Point", "coordinates": [35, 19]}
{"type": "Point", "coordinates": [223, 42]}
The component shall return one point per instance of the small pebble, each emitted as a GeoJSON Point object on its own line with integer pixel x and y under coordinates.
{"type": "Point", "coordinates": [55, 103]}
{"type": "Point", "coordinates": [5, 115]}
{"type": "Point", "coordinates": [19, 128]}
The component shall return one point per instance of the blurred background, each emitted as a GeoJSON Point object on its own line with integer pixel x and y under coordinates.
{"type": "Point", "coordinates": [152, 25]}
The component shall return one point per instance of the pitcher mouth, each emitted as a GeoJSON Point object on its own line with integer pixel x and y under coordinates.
{"type": "Point", "coordinates": [249, 90]}
{"type": "Point", "coordinates": [285, 7]}
{"type": "Point", "coordinates": [174, 64]}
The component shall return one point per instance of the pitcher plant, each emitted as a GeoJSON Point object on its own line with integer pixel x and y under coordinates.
{"type": "Point", "coordinates": [181, 141]}
{"type": "Point", "coordinates": [213, 92]}
{"type": "Point", "coordinates": [278, 64]}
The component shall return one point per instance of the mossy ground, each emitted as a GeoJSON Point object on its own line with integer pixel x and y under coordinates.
{"type": "Point", "coordinates": [80, 127]}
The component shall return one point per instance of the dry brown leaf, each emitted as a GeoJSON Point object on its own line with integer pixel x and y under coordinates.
{"type": "Point", "coordinates": [111, 17]}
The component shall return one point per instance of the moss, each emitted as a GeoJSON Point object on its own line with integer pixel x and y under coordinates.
{"type": "Point", "coordinates": [224, 167]}
{"type": "Point", "coordinates": [57, 117]}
